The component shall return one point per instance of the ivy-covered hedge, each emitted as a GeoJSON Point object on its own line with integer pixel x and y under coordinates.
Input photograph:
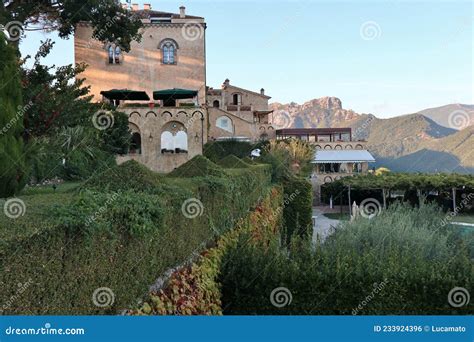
{"type": "Point", "coordinates": [195, 290]}
{"type": "Point", "coordinates": [217, 150]}
{"type": "Point", "coordinates": [297, 212]}
{"type": "Point", "coordinates": [121, 232]}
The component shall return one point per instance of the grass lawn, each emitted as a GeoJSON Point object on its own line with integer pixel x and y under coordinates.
{"type": "Point", "coordinates": [38, 202]}
{"type": "Point", "coordinates": [337, 216]}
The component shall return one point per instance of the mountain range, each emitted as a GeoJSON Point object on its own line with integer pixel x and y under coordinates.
{"type": "Point", "coordinates": [432, 140]}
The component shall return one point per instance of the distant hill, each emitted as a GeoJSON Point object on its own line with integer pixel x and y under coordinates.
{"type": "Point", "coordinates": [412, 142]}
{"type": "Point", "coordinates": [457, 116]}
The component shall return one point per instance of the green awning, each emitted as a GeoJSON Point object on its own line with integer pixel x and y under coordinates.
{"type": "Point", "coordinates": [125, 94]}
{"type": "Point", "coordinates": [175, 94]}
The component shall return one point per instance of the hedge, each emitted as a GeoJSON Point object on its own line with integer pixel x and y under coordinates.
{"type": "Point", "coordinates": [194, 289]}
{"type": "Point", "coordinates": [402, 262]}
{"type": "Point", "coordinates": [218, 150]}
{"type": "Point", "coordinates": [297, 212]}
{"type": "Point", "coordinates": [121, 233]}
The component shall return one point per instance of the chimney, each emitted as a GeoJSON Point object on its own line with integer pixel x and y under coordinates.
{"type": "Point", "coordinates": [182, 12]}
{"type": "Point", "coordinates": [134, 7]}
{"type": "Point", "coordinates": [146, 7]}
{"type": "Point", "coordinates": [226, 82]}
{"type": "Point", "coordinates": [262, 91]}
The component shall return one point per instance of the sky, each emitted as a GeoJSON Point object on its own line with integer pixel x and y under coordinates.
{"type": "Point", "coordinates": [387, 58]}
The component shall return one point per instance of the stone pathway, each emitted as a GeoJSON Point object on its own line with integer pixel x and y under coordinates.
{"type": "Point", "coordinates": [323, 226]}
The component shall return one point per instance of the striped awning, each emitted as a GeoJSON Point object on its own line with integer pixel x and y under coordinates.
{"type": "Point", "coordinates": [342, 156]}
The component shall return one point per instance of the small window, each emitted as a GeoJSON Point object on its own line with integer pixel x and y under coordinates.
{"type": "Point", "coordinates": [216, 104]}
{"type": "Point", "coordinates": [236, 99]}
{"type": "Point", "coordinates": [225, 123]}
{"type": "Point", "coordinates": [114, 54]}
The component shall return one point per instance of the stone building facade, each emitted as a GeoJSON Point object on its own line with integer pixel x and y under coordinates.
{"type": "Point", "coordinates": [171, 56]}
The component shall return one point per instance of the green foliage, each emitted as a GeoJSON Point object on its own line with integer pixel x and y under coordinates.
{"type": "Point", "coordinates": [218, 150]}
{"type": "Point", "coordinates": [122, 241]}
{"type": "Point", "coordinates": [406, 253]}
{"type": "Point", "coordinates": [232, 161]}
{"type": "Point", "coordinates": [110, 22]}
{"type": "Point", "coordinates": [116, 139]}
{"type": "Point", "coordinates": [12, 161]}
{"type": "Point", "coordinates": [199, 166]}
{"type": "Point", "coordinates": [297, 210]}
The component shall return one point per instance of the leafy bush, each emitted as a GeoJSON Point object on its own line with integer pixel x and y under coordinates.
{"type": "Point", "coordinates": [297, 212]}
{"type": "Point", "coordinates": [232, 161]}
{"type": "Point", "coordinates": [218, 150]}
{"type": "Point", "coordinates": [406, 254]}
{"type": "Point", "coordinates": [123, 230]}
{"type": "Point", "coordinates": [199, 166]}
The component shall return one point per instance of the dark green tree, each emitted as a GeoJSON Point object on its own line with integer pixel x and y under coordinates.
{"type": "Point", "coordinates": [110, 22]}
{"type": "Point", "coordinates": [12, 162]}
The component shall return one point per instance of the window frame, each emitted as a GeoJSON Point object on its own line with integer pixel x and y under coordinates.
{"type": "Point", "coordinates": [169, 51]}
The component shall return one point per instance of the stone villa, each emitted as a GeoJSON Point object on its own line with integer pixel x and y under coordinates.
{"type": "Point", "coordinates": [161, 85]}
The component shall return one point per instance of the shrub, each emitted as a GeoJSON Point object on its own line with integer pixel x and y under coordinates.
{"type": "Point", "coordinates": [199, 166]}
{"type": "Point", "coordinates": [218, 150]}
{"type": "Point", "coordinates": [125, 228]}
{"type": "Point", "coordinates": [297, 212]}
{"type": "Point", "coordinates": [232, 161]}
{"type": "Point", "coordinates": [405, 254]}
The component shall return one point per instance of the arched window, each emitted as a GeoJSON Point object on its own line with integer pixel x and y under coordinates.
{"type": "Point", "coordinates": [174, 138]}
{"type": "Point", "coordinates": [168, 51]}
{"type": "Point", "coordinates": [136, 144]}
{"type": "Point", "coordinates": [216, 104]}
{"type": "Point", "coordinates": [225, 123]}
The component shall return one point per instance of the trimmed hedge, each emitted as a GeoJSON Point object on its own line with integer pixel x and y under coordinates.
{"type": "Point", "coordinates": [298, 207]}
{"type": "Point", "coordinates": [195, 290]}
{"type": "Point", "coordinates": [121, 238]}
{"type": "Point", "coordinates": [232, 161]}
{"type": "Point", "coordinates": [218, 150]}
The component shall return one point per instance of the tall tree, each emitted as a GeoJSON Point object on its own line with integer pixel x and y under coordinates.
{"type": "Point", "coordinates": [111, 22]}
{"type": "Point", "coordinates": [12, 161]}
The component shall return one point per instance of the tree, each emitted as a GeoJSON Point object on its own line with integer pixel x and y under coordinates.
{"type": "Point", "coordinates": [12, 161]}
{"type": "Point", "coordinates": [110, 22]}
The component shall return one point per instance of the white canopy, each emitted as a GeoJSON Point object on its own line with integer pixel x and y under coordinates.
{"type": "Point", "coordinates": [342, 156]}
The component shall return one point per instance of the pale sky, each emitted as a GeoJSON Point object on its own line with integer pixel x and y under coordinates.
{"type": "Point", "coordinates": [382, 57]}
